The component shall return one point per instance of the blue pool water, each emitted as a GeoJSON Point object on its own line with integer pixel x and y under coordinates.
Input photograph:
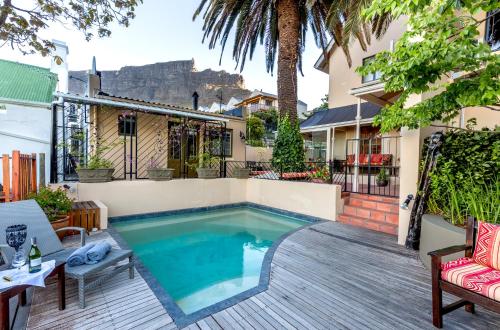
{"type": "Point", "coordinates": [205, 257]}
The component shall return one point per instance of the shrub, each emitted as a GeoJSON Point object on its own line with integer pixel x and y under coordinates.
{"type": "Point", "coordinates": [465, 180]}
{"type": "Point", "coordinates": [54, 203]}
{"type": "Point", "coordinates": [255, 131]}
{"type": "Point", "coordinates": [288, 151]}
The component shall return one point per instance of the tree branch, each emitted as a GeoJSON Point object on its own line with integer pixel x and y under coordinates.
{"type": "Point", "coordinates": [4, 11]}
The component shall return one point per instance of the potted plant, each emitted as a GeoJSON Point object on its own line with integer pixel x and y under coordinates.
{"type": "Point", "coordinates": [155, 171]}
{"type": "Point", "coordinates": [204, 166]}
{"type": "Point", "coordinates": [241, 173]}
{"type": "Point", "coordinates": [320, 175]}
{"type": "Point", "coordinates": [55, 204]}
{"type": "Point", "coordinates": [98, 169]}
{"type": "Point", "coordinates": [382, 178]}
{"type": "Point", "coordinates": [158, 173]}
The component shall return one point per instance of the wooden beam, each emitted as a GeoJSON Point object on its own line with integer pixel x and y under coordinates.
{"type": "Point", "coordinates": [16, 166]}
{"type": "Point", "coordinates": [6, 177]}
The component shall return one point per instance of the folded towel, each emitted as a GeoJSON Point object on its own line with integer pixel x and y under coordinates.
{"type": "Point", "coordinates": [97, 253]}
{"type": "Point", "coordinates": [79, 257]}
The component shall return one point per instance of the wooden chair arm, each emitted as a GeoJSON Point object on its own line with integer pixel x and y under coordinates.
{"type": "Point", "coordinates": [82, 231]}
{"type": "Point", "coordinates": [449, 250]}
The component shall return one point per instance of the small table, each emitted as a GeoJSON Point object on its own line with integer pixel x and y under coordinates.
{"type": "Point", "coordinates": [20, 290]}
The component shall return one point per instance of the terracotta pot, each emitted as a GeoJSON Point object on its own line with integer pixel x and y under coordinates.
{"type": "Point", "coordinates": [241, 173]}
{"type": "Point", "coordinates": [160, 174]}
{"type": "Point", "coordinates": [86, 175]}
{"type": "Point", "coordinates": [207, 173]}
{"type": "Point", "coordinates": [63, 221]}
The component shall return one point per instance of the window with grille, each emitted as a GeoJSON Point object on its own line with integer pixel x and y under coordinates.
{"type": "Point", "coordinates": [126, 125]}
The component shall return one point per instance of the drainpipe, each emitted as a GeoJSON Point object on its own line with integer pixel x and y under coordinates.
{"type": "Point", "coordinates": [358, 136]}
{"type": "Point", "coordinates": [53, 151]}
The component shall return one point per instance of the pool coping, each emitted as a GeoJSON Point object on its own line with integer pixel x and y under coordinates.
{"type": "Point", "coordinates": [180, 318]}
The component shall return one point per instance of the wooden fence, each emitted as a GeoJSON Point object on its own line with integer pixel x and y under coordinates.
{"type": "Point", "coordinates": [20, 179]}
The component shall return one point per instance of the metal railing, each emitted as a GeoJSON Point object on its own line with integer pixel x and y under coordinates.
{"type": "Point", "coordinates": [319, 172]}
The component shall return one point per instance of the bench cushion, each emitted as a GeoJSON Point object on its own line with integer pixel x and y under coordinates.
{"type": "Point", "coordinates": [487, 251]}
{"type": "Point", "coordinates": [114, 256]}
{"type": "Point", "coordinates": [468, 274]}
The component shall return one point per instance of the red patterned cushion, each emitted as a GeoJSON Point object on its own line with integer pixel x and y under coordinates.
{"type": "Point", "coordinates": [472, 276]}
{"type": "Point", "coordinates": [487, 251]}
{"type": "Point", "coordinates": [376, 159]}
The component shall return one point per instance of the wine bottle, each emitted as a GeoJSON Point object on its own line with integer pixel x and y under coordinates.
{"type": "Point", "coordinates": [35, 257]}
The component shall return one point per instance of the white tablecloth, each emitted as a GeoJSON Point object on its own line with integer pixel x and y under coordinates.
{"type": "Point", "coordinates": [23, 277]}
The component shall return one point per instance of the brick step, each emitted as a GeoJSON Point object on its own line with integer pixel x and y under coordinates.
{"type": "Point", "coordinates": [375, 198]}
{"type": "Point", "coordinates": [372, 205]}
{"type": "Point", "coordinates": [372, 214]}
{"type": "Point", "coordinates": [387, 228]}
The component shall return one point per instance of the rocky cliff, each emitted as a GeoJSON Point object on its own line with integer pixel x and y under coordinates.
{"type": "Point", "coordinates": [169, 82]}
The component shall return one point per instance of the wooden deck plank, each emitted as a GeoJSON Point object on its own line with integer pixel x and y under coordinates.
{"type": "Point", "coordinates": [327, 276]}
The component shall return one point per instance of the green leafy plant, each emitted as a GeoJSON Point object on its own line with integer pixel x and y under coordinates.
{"type": "Point", "coordinates": [472, 198]}
{"type": "Point", "coordinates": [255, 131]}
{"type": "Point", "coordinates": [205, 159]}
{"type": "Point", "coordinates": [465, 180]}
{"type": "Point", "coordinates": [97, 160]}
{"type": "Point", "coordinates": [320, 172]}
{"type": "Point", "coordinates": [442, 41]}
{"type": "Point", "coordinates": [382, 176]}
{"type": "Point", "coordinates": [54, 203]}
{"type": "Point", "coordinates": [288, 151]}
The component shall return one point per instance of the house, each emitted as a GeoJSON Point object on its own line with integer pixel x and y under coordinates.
{"type": "Point", "coordinates": [217, 107]}
{"type": "Point", "coordinates": [136, 134]}
{"type": "Point", "coordinates": [262, 101]}
{"type": "Point", "coordinates": [345, 133]}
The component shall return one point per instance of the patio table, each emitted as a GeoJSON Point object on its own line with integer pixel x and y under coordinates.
{"type": "Point", "coordinates": [20, 290]}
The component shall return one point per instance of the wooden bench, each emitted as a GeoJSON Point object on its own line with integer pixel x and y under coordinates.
{"type": "Point", "coordinates": [86, 215]}
{"type": "Point", "coordinates": [468, 297]}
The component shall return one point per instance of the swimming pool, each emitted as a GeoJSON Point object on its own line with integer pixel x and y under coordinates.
{"type": "Point", "coordinates": [204, 257]}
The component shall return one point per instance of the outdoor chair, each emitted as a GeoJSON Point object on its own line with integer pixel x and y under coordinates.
{"type": "Point", "coordinates": [475, 278]}
{"type": "Point", "coordinates": [29, 213]}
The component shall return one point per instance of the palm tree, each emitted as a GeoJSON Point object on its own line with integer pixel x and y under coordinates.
{"type": "Point", "coordinates": [281, 26]}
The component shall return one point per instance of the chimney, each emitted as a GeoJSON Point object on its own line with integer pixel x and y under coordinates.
{"type": "Point", "coordinates": [195, 100]}
{"type": "Point", "coordinates": [59, 65]}
{"type": "Point", "coordinates": [94, 80]}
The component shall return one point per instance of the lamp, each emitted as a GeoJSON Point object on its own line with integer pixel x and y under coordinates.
{"type": "Point", "coordinates": [242, 136]}
{"type": "Point", "coordinates": [407, 201]}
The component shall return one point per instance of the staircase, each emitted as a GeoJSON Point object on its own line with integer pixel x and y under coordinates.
{"type": "Point", "coordinates": [372, 212]}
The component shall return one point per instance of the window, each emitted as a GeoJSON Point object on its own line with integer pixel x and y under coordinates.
{"type": "Point", "coordinates": [227, 142]}
{"type": "Point", "coordinates": [492, 33]}
{"type": "Point", "coordinates": [269, 103]}
{"type": "Point", "coordinates": [372, 76]}
{"type": "Point", "coordinates": [126, 125]}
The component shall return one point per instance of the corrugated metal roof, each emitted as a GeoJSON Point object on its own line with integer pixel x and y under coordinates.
{"type": "Point", "coordinates": [341, 114]}
{"type": "Point", "coordinates": [25, 82]}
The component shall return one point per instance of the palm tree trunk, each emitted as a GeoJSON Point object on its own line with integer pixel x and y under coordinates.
{"type": "Point", "coordinates": [288, 29]}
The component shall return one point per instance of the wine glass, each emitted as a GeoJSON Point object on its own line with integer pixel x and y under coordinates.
{"type": "Point", "coordinates": [16, 236]}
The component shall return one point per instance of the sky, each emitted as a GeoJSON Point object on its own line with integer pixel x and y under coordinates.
{"type": "Point", "coordinates": [163, 30]}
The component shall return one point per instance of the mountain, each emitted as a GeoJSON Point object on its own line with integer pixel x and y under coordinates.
{"type": "Point", "coordinates": [169, 82]}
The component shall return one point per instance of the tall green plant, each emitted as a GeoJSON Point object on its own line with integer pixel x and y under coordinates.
{"type": "Point", "coordinates": [465, 180]}
{"type": "Point", "coordinates": [288, 151]}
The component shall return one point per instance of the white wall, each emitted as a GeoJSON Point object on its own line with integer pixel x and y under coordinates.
{"type": "Point", "coordinates": [26, 128]}
{"type": "Point", "coordinates": [318, 200]}
{"type": "Point", "coordinates": [145, 196]}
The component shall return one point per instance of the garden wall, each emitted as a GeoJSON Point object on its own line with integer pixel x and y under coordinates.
{"type": "Point", "coordinates": [145, 196]}
{"type": "Point", "coordinates": [438, 234]}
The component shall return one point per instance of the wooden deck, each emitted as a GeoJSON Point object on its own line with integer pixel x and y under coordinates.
{"type": "Point", "coordinates": [328, 276]}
